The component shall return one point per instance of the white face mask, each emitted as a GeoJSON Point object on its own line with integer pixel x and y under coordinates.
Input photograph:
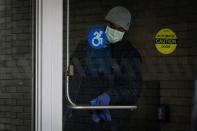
{"type": "Point", "coordinates": [113, 35]}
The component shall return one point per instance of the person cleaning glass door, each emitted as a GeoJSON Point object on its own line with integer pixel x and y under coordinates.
{"type": "Point", "coordinates": [110, 75]}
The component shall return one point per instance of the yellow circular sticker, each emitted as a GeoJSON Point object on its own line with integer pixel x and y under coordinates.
{"type": "Point", "coordinates": [166, 41]}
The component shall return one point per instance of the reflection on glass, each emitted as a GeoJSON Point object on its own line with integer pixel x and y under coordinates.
{"type": "Point", "coordinates": [111, 48]}
{"type": "Point", "coordinates": [107, 67]}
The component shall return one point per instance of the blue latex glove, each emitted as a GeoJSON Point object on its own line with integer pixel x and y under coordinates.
{"type": "Point", "coordinates": [97, 115]}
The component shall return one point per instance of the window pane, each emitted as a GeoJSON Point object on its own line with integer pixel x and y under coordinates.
{"type": "Point", "coordinates": [16, 66]}
{"type": "Point", "coordinates": [161, 32]}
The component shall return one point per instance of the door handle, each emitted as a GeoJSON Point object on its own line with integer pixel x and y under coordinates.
{"type": "Point", "coordinates": [70, 72]}
{"type": "Point", "coordinates": [87, 107]}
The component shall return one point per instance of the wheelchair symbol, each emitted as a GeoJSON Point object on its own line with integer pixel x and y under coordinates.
{"type": "Point", "coordinates": [97, 38]}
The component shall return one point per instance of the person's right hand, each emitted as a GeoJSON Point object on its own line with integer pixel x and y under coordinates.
{"type": "Point", "coordinates": [97, 115]}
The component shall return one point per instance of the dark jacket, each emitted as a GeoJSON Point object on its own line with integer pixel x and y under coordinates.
{"type": "Point", "coordinates": [115, 68]}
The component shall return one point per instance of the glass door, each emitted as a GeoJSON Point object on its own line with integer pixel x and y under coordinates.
{"type": "Point", "coordinates": [114, 65]}
{"type": "Point", "coordinates": [97, 64]}
{"type": "Point", "coordinates": [128, 65]}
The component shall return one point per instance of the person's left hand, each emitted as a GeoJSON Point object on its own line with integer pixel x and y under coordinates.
{"type": "Point", "coordinates": [97, 115]}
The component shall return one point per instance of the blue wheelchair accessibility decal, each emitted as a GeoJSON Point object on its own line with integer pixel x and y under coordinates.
{"type": "Point", "coordinates": [96, 37]}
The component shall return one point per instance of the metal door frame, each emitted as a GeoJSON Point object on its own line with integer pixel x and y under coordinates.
{"type": "Point", "coordinates": [48, 65]}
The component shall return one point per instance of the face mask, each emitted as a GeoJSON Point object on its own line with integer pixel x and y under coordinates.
{"type": "Point", "coordinates": [113, 35]}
